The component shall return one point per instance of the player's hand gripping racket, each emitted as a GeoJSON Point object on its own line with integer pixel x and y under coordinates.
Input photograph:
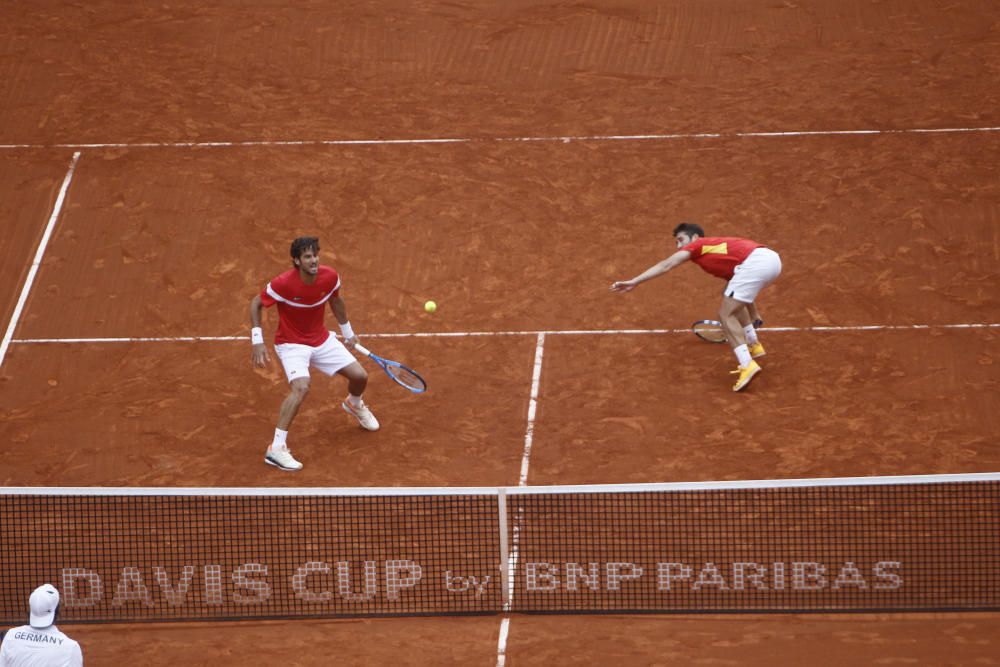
{"type": "Point", "coordinates": [712, 331]}
{"type": "Point", "coordinates": [403, 376]}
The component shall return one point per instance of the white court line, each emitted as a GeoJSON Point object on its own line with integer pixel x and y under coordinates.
{"type": "Point", "coordinates": [472, 334]}
{"type": "Point", "coordinates": [469, 140]}
{"type": "Point", "coordinates": [30, 279]}
{"type": "Point", "coordinates": [144, 339]}
{"type": "Point", "coordinates": [502, 642]}
{"type": "Point", "coordinates": [536, 376]}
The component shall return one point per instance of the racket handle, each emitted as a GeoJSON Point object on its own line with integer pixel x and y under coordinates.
{"type": "Point", "coordinates": [362, 349]}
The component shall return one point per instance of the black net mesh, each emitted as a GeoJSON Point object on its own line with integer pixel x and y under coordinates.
{"type": "Point", "coordinates": [928, 546]}
{"type": "Point", "coordinates": [825, 548]}
{"type": "Point", "coordinates": [197, 557]}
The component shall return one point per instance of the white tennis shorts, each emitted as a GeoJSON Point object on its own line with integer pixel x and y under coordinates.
{"type": "Point", "coordinates": [756, 272]}
{"type": "Point", "coordinates": [327, 358]}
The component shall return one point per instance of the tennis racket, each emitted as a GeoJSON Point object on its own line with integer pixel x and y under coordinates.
{"type": "Point", "coordinates": [711, 330]}
{"type": "Point", "coordinates": [401, 375]}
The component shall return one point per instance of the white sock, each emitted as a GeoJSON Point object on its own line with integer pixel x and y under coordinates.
{"type": "Point", "coordinates": [751, 334]}
{"type": "Point", "coordinates": [279, 439]}
{"type": "Point", "coordinates": [743, 355]}
{"type": "Point", "coordinates": [355, 401]}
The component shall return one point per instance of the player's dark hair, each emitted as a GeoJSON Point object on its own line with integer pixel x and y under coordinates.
{"type": "Point", "coordinates": [303, 243]}
{"type": "Point", "coordinates": [690, 229]}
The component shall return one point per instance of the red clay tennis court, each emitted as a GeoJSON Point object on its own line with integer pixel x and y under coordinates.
{"type": "Point", "coordinates": [509, 161]}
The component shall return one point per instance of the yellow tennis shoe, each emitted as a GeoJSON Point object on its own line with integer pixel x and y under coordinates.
{"type": "Point", "coordinates": [746, 374]}
{"type": "Point", "coordinates": [757, 350]}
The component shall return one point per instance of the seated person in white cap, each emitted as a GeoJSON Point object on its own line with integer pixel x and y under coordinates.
{"type": "Point", "coordinates": [40, 644]}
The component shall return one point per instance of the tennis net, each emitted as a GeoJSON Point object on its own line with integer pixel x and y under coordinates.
{"type": "Point", "coordinates": [849, 544]}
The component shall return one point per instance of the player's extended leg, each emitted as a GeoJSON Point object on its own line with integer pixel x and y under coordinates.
{"type": "Point", "coordinates": [357, 381]}
{"type": "Point", "coordinates": [297, 392]}
{"type": "Point", "coordinates": [757, 271]}
{"type": "Point", "coordinates": [732, 314]}
{"type": "Point", "coordinates": [278, 453]}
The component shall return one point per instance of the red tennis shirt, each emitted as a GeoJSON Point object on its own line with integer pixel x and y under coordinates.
{"type": "Point", "coordinates": [720, 255]}
{"type": "Point", "coordinates": [300, 306]}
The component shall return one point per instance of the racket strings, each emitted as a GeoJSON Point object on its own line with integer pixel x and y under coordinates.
{"type": "Point", "coordinates": [710, 331]}
{"type": "Point", "coordinates": [407, 377]}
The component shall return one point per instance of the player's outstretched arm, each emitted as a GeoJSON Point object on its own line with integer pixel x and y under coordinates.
{"type": "Point", "coordinates": [258, 354]}
{"type": "Point", "coordinates": [657, 269]}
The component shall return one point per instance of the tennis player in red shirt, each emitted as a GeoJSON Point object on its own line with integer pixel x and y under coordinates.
{"type": "Point", "coordinates": [302, 340]}
{"type": "Point", "coordinates": [748, 267]}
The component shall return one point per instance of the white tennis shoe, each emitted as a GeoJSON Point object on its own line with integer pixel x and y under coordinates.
{"type": "Point", "coordinates": [282, 458]}
{"type": "Point", "coordinates": [362, 414]}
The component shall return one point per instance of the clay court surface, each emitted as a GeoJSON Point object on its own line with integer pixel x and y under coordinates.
{"type": "Point", "coordinates": [194, 141]}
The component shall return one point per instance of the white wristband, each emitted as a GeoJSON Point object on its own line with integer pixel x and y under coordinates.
{"type": "Point", "coordinates": [257, 336]}
{"type": "Point", "coordinates": [346, 330]}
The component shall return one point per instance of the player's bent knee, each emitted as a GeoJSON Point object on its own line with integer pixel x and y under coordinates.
{"type": "Point", "coordinates": [729, 308]}
{"type": "Point", "coordinates": [355, 373]}
{"type": "Point", "coordinates": [300, 388]}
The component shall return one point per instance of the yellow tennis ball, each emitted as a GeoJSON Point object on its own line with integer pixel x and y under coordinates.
{"type": "Point", "coordinates": [430, 306]}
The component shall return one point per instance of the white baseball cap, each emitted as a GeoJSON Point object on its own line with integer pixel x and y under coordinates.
{"type": "Point", "coordinates": [43, 603]}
